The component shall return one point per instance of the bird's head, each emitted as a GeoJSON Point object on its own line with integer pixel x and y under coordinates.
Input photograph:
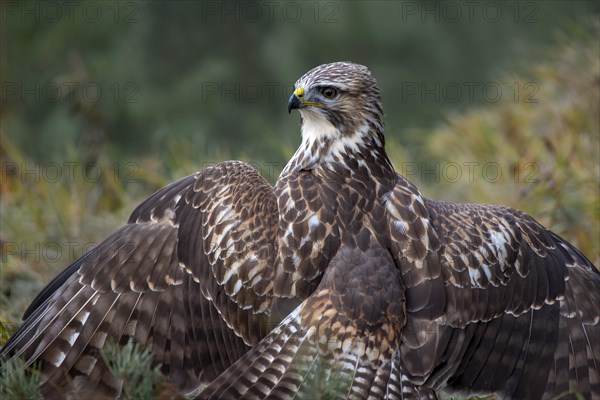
{"type": "Point", "coordinates": [337, 100]}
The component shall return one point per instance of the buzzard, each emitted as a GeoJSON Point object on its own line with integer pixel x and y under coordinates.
{"type": "Point", "coordinates": [340, 281]}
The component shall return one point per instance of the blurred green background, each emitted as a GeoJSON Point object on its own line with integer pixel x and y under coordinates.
{"type": "Point", "coordinates": [104, 102]}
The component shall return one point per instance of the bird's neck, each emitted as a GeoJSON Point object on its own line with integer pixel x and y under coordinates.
{"type": "Point", "coordinates": [323, 147]}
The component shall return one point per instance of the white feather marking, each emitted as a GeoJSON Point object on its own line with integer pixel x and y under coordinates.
{"type": "Point", "coordinates": [316, 127]}
{"type": "Point", "coordinates": [71, 335]}
{"type": "Point", "coordinates": [296, 260]}
{"type": "Point", "coordinates": [229, 246]}
{"type": "Point", "coordinates": [348, 363]}
{"type": "Point", "coordinates": [293, 329]}
{"type": "Point", "coordinates": [185, 268]}
{"type": "Point", "coordinates": [227, 276]}
{"type": "Point", "coordinates": [304, 240]}
{"type": "Point", "coordinates": [224, 213]}
{"type": "Point", "coordinates": [498, 240]}
{"type": "Point", "coordinates": [418, 199]}
{"type": "Point", "coordinates": [317, 247]}
{"type": "Point", "coordinates": [237, 287]}
{"type": "Point", "coordinates": [314, 222]}
{"type": "Point", "coordinates": [487, 271]}
{"type": "Point", "coordinates": [474, 276]}
{"type": "Point", "coordinates": [289, 231]}
{"type": "Point", "coordinates": [401, 226]}
{"type": "Point", "coordinates": [390, 206]}
{"type": "Point", "coordinates": [227, 228]}
{"type": "Point", "coordinates": [83, 317]}
{"type": "Point", "coordinates": [290, 205]}
{"type": "Point", "coordinates": [149, 283]}
{"type": "Point", "coordinates": [345, 144]}
{"type": "Point", "coordinates": [419, 264]}
{"type": "Point", "coordinates": [168, 218]}
{"type": "Point", "coordinates": [58, 359]}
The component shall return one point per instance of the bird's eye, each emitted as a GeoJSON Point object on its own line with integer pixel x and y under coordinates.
{"type": "Point", "coordinates": [329, 92]}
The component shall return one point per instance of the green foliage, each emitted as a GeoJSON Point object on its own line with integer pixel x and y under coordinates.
{"type": "Point", "coordinates": [326, 382]}
{"type": "Point", "coordinates": [48, 223]}
{"type": "Point", "coordinates": [4, 334]}
{"type": "Point", "coordinates": [540, 157]}
{"type": "Point", "coordinates": [133, 365]}
{"type": "Point", "coordinates": [19, 381]}
{"type": "Point", "coordinates": [164, 68]}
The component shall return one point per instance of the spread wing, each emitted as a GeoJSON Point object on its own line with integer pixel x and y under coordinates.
{"type": "Point", "coordinates": [341, 342]}
{"type": "Point", "coordinates": [519, 309]}
{"type": "Point", "coordinates": [189, 277]}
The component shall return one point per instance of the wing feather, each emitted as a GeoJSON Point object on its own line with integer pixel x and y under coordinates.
{"type": "Point", "coordinates": [520, 302]}
{"type": "Point", "coordinates": [157, 281]}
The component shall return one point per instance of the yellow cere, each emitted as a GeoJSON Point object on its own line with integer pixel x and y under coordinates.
{"type": "Point", "coordinates": [299, 92]}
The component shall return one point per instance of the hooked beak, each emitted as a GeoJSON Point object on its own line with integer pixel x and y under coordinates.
{"type": "Point", "coordinates": [297, 100]}
{"type": "Point", "coordinates": [294, 103]}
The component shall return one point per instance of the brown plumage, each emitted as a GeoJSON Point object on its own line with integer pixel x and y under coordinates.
{"type": "Point", "coordinates": [341, 281]}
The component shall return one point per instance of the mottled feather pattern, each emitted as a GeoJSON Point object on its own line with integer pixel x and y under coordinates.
{"type": "Point", "coordinates": [509, 285]}
{"type": "Point", "coordinates": [308, 235]}
{"type": "Point", "coordinates": [342, 281]}
{"type": "Point", "coordinates": [234, 210]}
{"type": "Point", "coordinates": [348, 330]}
{"type": "Point", "coordinates": [137, 284]}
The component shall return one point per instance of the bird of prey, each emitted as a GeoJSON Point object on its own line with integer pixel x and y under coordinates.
{"type": "Point", "coordinates": [341, 281]}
